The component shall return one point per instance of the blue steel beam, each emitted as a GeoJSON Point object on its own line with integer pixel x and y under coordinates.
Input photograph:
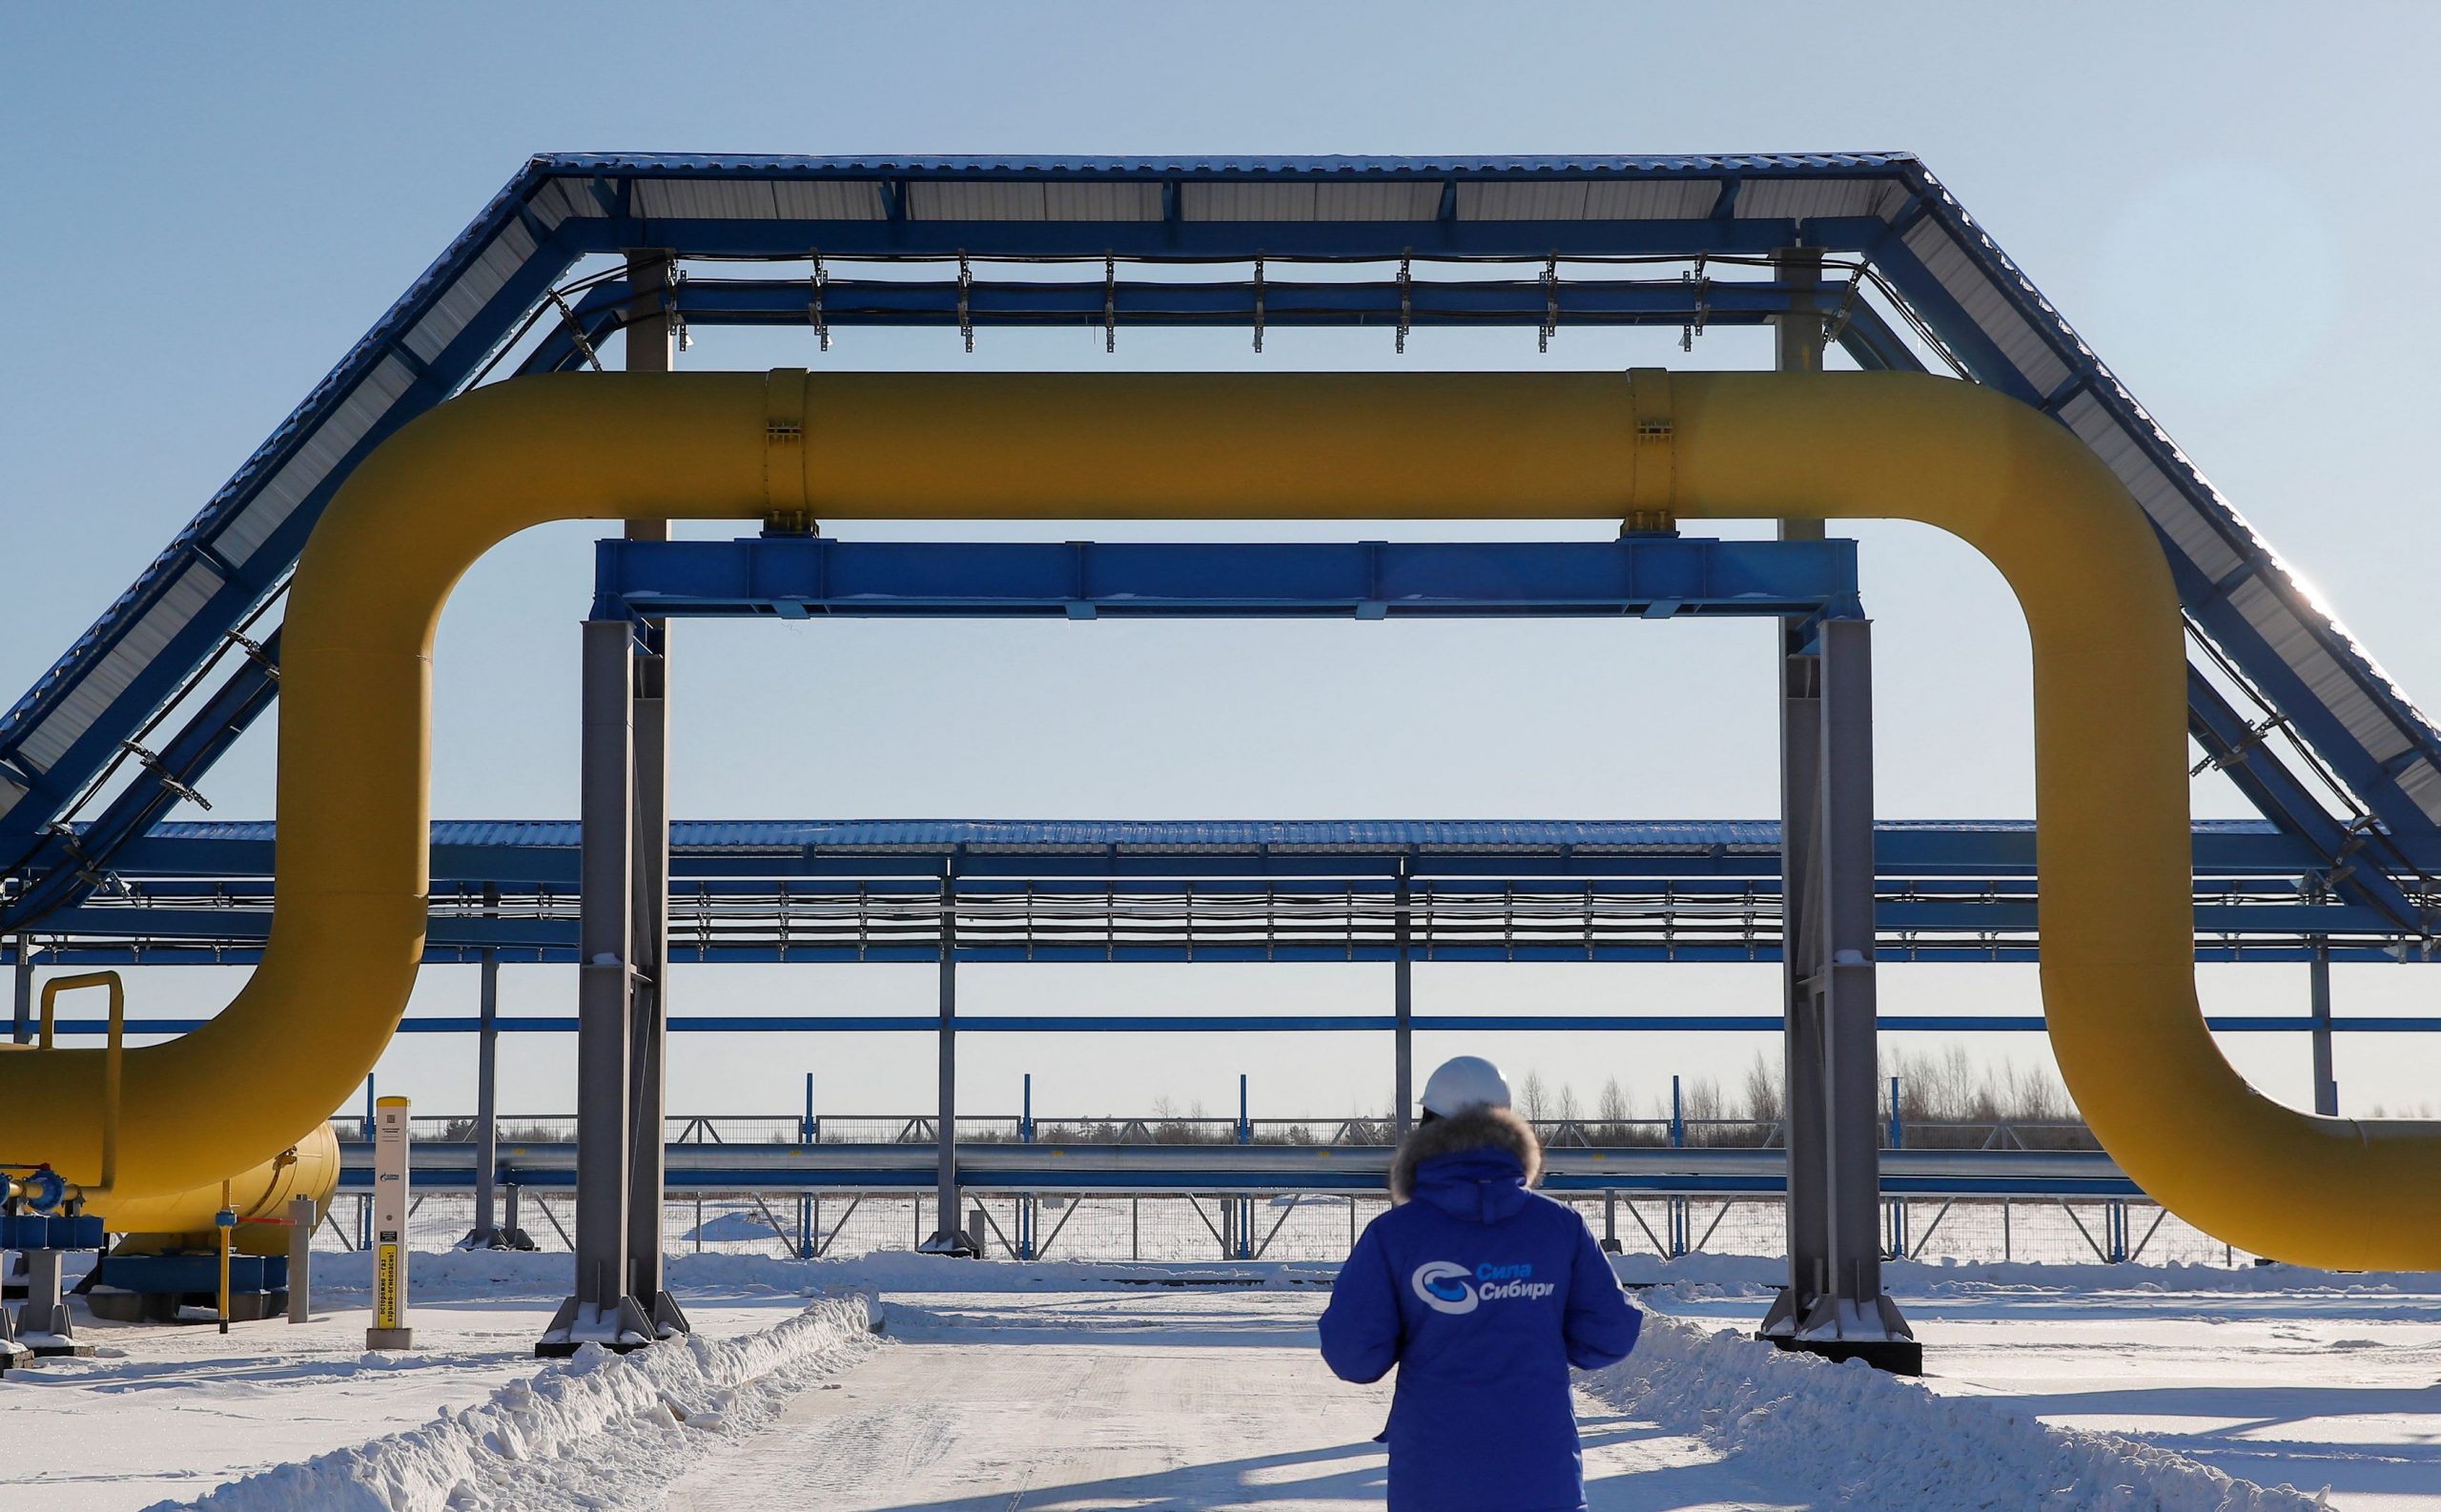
{"type": "Point", "coordinates": [1096, 304]}
{"type": "Point", "coordinates": [1644, 577]}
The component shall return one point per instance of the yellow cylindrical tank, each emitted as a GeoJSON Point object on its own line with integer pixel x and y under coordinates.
{"type": "Point", "coordinates": [183, 1220]}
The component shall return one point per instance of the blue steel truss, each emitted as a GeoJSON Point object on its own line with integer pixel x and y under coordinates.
{"type": "Point", "coordinates": [1084, 890]}
{"type": "Point", "coordinates": [1913, 247]}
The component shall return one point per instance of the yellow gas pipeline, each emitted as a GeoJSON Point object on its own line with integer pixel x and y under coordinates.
{"type": "Point", "coordinates": [2108, 664]}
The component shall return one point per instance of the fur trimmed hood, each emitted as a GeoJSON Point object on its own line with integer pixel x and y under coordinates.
{"type": "Point", "coordinates": [1496, 1128]}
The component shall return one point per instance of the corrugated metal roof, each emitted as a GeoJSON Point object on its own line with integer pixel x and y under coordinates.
{"type": "Point", "coordinates": [1219, 167]}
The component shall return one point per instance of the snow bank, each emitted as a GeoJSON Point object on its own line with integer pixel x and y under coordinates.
{"type": "Point", "coordinates": [600, 1430]}
{"type": "Point", "coordinates": [1850, 1436]}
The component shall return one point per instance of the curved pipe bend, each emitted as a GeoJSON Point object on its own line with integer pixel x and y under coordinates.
{"type": "Point", "coordinates": [2117, 971]}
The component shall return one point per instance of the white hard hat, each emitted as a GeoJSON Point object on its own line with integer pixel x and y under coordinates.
{"type": "Point", "coordinates": [1463, 1082]}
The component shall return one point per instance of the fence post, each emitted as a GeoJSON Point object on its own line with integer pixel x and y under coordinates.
{"type": "Point", "coordinates": [1026, 1204]}
{"type": "Point", "coordinates": [805, 1201]}
{"type": "Point", "coordinates": [1402, 1012]}
{"type": "Point", "coordinates": [1897, 1205]}
{"type": "Point", "coordinates": [1680, 1217]}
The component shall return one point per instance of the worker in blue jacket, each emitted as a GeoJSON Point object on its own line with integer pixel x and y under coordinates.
{"type": "Point", "coordinates": [1482, 1292]}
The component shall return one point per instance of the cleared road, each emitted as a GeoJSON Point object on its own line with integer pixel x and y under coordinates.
{"type": "Point", "coordinates": [1166, 1402]}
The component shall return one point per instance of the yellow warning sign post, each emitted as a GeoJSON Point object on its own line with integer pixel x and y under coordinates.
{"type": "Point", "coordinates": [390, 1329]}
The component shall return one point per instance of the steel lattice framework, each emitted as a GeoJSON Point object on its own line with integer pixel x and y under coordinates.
{"type": "Point", "coordinates": [2345, 768]}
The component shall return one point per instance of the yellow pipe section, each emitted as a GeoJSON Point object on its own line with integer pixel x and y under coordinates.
{"type": "Point", "coordinates": [114, 1054]}
{"type": "Point", "coordinates": [183, 1220]}
{"type": "Point", "coordinates": [2108, 667]}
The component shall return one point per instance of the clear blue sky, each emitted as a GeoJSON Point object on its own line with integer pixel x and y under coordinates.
{"type": "Point", "coordinates": [204, 208]}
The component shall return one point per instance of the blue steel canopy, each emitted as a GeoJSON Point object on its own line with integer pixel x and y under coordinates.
{"type": "Point", "coordinates": [1922, 252]}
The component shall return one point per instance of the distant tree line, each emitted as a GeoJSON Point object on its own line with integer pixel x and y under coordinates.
{"type": "Point", "coordinates": [1946, 1100]}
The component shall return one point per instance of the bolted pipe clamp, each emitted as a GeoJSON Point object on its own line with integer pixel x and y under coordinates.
{"type": "Point", "coordinates": [788, 508]}
{"type": "Point", "coordinates": [1652, 486]}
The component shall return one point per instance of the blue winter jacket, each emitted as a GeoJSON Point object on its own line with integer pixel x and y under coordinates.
{"type": "Point", "coordinates": [1482, 1292]}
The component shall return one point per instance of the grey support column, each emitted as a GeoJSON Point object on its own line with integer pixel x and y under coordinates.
{"type": "Point", "coordinates": [1802, 1050]}
{"type": "Point", "coordinates": [1844, 983]}
{"type": "Point", "coordinates": [1797, 348]}
{"type": "Point", "coordinates": [945, 1239]}
{"type": "Point", "coordinates": [651, 347]}
{"type": "Point", "coordinates": [2326, 1085]}
{"type": "Point", "coordinates": [600, 1308]}
{"type": "Point", "coordinates": [483, 1233]}
{"type": "Point", "coordinates": [649, 1004]}
{"type": "Point", "coordinates": [1403, 1007]}
{"type": "Point", "coordinates": [1833, 1304]}
{"type": "Point", "coordinates": [486, 1233]}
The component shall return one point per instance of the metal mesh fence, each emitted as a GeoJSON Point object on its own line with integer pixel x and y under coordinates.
{"type": "Point", "coordinates": [1197, 1129]}
{"type": "Point", "coordinates": [1170, 1227]}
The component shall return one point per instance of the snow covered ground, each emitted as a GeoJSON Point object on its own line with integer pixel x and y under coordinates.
{"type": "Point", "coordinates": [2269, 1374]}
{"type": "Point", "coordinates": [1063, 1386]}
